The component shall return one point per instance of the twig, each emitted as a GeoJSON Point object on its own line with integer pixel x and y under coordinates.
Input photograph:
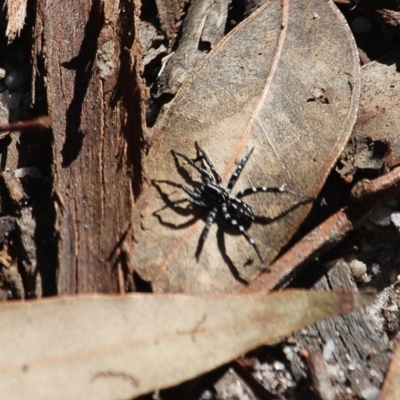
{"type": "Point", "coordinates": [368, 194]}
{"type": "Point", "coordinates": [40, 123]}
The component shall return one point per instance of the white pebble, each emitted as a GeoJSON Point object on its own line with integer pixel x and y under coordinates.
{"type": "Point", "coordinates": [329, 348]}
{"type": "Point", "coordinates": [358, 268]}
{"type": "Point", "coordinates": [376, 268]}
{"type": "Point", "coordinates": [395, 218]}
{"type": "Point", "coordinates": [278, 366]}
{"type": "Point", "coordinates": [370, 393]}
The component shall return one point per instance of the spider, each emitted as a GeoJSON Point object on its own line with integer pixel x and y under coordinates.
{"type": "Point", "coordinates": [218, 199]}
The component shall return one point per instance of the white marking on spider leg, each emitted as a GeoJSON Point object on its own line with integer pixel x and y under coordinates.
{"type": "Point", "coordinates": [283, 187]}
{"type": "Point", "coordinates": [233, 222]}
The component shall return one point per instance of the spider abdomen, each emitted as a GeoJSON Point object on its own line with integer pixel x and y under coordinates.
{"type": "Point", "coordinates": [240, 211]}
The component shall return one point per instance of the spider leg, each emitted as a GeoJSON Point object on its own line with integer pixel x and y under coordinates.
{"type": "Point", "coordinates": [251, 241]}
{"type": "Point", "coordinates": [206, 176]}
{"type": "Point", "coordinates": [253, 190]}
{"type": "Point", "coordinates": [209, 221]}
{"type": "Point", "coordinates": [194, 196]}
{"type": "Point", "coordinates": [234, 222]}
{"type": "Point", "coordinates": [235, 176]}
{"type": "Point", "coordinates": [201, 155]}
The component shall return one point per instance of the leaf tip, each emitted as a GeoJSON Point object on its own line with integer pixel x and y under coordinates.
{"type": "Point", "coordinates": [350, 301]}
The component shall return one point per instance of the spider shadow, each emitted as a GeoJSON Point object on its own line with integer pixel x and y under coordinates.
{"type": "Point", "coordinates": [198, 211]}
{"type": "Point", "coordinates": [198, 214]}
{"type": "Point", "coordinates": [183, 211]}
{"type": "Point", "coordinates": [228, 261]}
{"type": "Point", "coordinates": [268, 220]}
{"type": "Point", "coordinates": [183, 172]}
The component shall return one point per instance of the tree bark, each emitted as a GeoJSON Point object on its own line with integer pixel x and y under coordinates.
{"type": "Point", "coordinates": [89, 54]}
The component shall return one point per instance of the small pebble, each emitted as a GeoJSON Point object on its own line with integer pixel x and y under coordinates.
{"type": "Point", "coordinates": [329, 348]}
{"type": "Point", "coordinates": [352, 366]}
{"type": "Point", "coordinates": [278, 366]}
{"type": "Point", "coordinates": [288, 351]}
{"type": "Point", "coordinates": [370, 393]}
{"type": "Point", "coordinates": [207, 395]}
{"type": "Point", "coordinates": [14, 80]}
{"type": "Point", "coordinates": [376, 268]}
{"type": "Point", "coordinates": [358, 268]}
{"type": "Point", "coordinates": [395, 218]}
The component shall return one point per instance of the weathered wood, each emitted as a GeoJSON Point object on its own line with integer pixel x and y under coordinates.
{"type": "Point", "coordinates": [361, 352]}
{"type": "Point", "coordinates": [91, 60]}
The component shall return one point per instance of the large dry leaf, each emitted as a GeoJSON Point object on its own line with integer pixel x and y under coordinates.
{"type": "Point", "coordinates": [278, 83]}
{"type": "Point", "coordinates": [378, 115]}
{"type": "Point", "coordinates": [109, 347]}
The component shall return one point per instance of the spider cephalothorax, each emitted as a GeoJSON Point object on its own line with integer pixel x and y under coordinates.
{"type": "Point", "coordinates": [218, 199]}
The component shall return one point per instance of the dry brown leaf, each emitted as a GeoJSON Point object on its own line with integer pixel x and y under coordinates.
{"type": "Point", "coordinates": [278, 83]}
{"type": "Point", "coordinates": [109, 347]}
{"type": "Point", "coordinates": [378, 116]}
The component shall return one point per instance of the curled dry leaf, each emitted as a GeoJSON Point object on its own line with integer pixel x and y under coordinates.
{"type": "Point", "coordinates": [109, 347]}
{"type": "Point", "coordinates": [378, 116]}
{"type": "Point", "coordinates": [260, 87]}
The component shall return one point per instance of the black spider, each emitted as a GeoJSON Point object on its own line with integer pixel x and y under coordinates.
{"type": "Point", "coordinates": [218, 199]}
